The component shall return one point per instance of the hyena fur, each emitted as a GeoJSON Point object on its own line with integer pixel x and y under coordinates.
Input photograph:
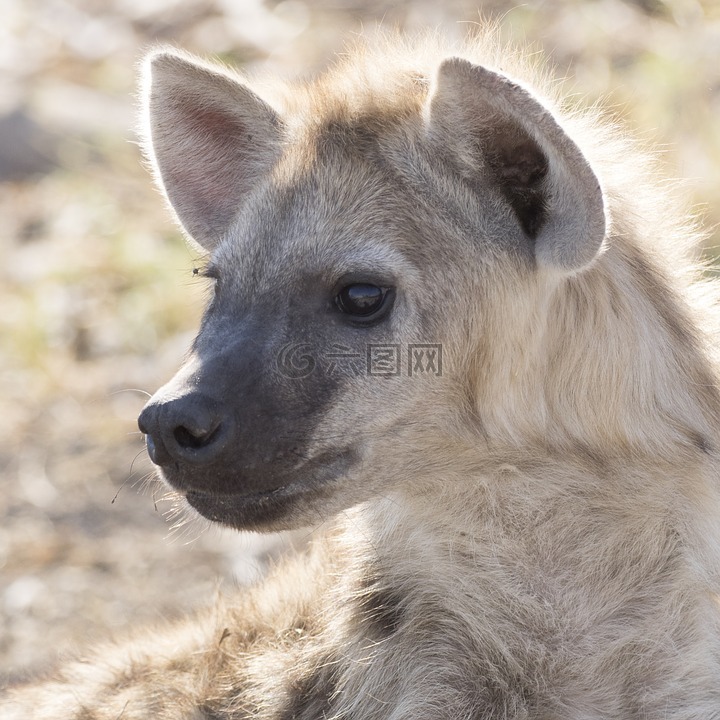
{"type": "Point", "coordinates": [533, 532]}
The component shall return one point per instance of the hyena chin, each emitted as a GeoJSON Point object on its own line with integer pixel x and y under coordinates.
{"type": "Point", "coordinates": [459, 330]}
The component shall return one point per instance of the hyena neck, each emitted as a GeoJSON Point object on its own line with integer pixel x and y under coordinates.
{"type": "Point", "coordinates": [617, 360]}
{"type": "Point", "coordinates": [531, 525]}
{"type": "Point", "coordinates": [525, 565]}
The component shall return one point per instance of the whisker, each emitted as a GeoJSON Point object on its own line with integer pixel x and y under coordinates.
{"type": "Point", "coordinates": [132, 464]}
{"type": "Point", "coordinates": [115, 496]}
{"type": "Point", "coordinates": [135, 390]}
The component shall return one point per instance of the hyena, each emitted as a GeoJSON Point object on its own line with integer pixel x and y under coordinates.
{"type": "Point", "coordinates": [529, 530]}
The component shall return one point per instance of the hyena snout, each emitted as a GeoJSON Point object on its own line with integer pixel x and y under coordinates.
{"type": "Point", "coordinates": [191, 429]}
{"type": "Point", "coordinates": [239, 446]}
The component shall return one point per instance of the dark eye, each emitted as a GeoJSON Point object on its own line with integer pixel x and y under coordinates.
{"type": "Point", "coordinates": [362, 300]}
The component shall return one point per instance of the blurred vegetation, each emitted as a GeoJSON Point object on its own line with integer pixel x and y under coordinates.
{"type": "Point", "coordinates": [98, 296]}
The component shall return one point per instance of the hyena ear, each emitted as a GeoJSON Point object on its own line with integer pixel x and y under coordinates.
{"type": "Point", "coordinates": [500, 130]}
{"type": "Point", "coordinates": [209, 138]}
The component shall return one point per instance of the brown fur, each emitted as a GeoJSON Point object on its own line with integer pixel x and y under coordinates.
{"type": "Point", "coordinates": [537, 533]}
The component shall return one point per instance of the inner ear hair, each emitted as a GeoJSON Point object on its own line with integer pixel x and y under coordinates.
{"type": "Point", "coordinates": [519, 167]}
{"type": "Point", "coordinates": [500, 132]}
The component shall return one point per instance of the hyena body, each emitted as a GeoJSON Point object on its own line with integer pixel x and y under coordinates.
{"type": "Point", "coordinates": [532, 533]}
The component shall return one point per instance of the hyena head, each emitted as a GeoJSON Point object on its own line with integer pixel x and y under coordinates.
{"type": "Point", "coordinates": [361, 232]}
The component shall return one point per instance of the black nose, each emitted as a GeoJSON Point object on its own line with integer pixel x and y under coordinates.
{"type": "Point", "coordinates": [188, 429]}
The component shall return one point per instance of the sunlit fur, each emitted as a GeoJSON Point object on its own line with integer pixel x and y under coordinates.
{"type": "Point", "coordinates": [553, 554]}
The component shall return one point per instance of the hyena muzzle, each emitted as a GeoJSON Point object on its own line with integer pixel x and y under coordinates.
{"type": "Point", "coordinates": [452, 327]}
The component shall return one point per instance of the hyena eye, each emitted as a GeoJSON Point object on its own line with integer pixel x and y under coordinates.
{"type": "Point", "coordinates": [363, 301]}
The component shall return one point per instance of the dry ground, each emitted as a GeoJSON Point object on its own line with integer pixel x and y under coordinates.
{"type": "Point", "coordinates": [98, 298]}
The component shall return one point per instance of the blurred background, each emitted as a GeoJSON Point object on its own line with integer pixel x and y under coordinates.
{"type": "Point", "coordinates": [98, 301]}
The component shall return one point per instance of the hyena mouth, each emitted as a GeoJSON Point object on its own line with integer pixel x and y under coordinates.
{"type": "Point", "coordinates": [247, 511]}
